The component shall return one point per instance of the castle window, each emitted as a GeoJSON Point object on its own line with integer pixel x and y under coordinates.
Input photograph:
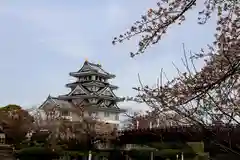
{"type": "Point", "coordinates": [93, 88]}
{"type": "Point", "coordinates": [90, 113]}
{"type": "Point", "coordinates": [65, 113]}
{"type": "Point", "coordinates": [2, 138]}
{"type": "Point", "coordinates": [106, 114]}
{"type": "Point", "coordinates": [93, 100]}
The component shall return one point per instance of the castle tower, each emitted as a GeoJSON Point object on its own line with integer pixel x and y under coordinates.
{"type": "Point", "coordinates": [92, 92]}
{"type": "Point", "coordinates": [92, 88]}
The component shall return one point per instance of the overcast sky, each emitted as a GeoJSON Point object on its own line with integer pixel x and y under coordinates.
{"type": "Point", "coordinates": [41, 41]}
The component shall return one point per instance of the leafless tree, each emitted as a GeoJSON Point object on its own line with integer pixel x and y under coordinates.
{"type": "Point", "coordinates": [87, 131]}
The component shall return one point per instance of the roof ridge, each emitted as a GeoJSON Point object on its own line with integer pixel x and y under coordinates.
{"type": "Point", "coordinates": [94, 64]}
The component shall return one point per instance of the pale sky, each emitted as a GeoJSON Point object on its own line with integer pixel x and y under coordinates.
{"type": "Point", "coordinates": [41, 41]}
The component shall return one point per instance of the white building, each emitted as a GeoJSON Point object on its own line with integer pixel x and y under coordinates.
{"type": "Point", "coordinates": [90, 95]}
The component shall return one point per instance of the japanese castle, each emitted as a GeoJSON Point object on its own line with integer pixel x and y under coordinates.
{"type": "Point", "coordinates": [92, 93]}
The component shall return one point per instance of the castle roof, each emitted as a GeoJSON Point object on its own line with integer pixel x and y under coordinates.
{"type": "Point", "coordinates": [91, 68]}
{"type": "Point", "coordinates": [91, 91]}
